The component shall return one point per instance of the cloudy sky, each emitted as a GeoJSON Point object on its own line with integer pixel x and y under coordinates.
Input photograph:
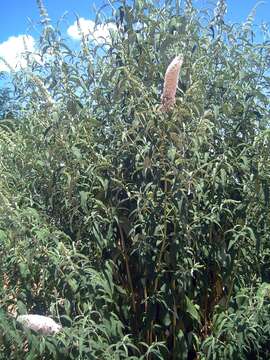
{"type": "Point", "coordinates": [18, 19]}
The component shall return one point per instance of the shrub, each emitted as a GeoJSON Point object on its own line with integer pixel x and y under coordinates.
{"type": "Point", "coordinates": [145, 232]}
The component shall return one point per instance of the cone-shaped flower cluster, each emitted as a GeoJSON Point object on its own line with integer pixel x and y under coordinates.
{"type": "Point", "coordinates": [44, 92]}
{"type": "Point", "coordinates": [170, 83]}
{"type": "Point", "coordinates": [40, 324]}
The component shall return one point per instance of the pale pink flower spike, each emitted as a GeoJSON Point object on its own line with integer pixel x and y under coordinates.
{"type": "Point", "coordinates": [41, 324]}
{"type": "Point", "coordinates": [170, 83]}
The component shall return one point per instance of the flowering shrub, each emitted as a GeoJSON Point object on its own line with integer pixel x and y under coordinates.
{"type": "Point", "coordinates": [144, 232]}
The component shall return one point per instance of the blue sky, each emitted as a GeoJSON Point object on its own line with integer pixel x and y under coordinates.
{"type": "Point", "coordinates": [15, 15]}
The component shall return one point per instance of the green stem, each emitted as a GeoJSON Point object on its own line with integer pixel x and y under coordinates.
{"type": "Point", "coordinates": [127, 268]}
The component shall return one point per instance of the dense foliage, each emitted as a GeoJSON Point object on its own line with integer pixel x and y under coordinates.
{"type": "Point", "coordinates": [146, 234]}
{"type": "Point", "coordinates": [5, 99]}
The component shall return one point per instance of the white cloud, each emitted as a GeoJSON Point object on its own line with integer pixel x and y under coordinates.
{"type": "Point", "coordinates": [12, 51]}
{"type": "Point", "coordinates": [100, 33]}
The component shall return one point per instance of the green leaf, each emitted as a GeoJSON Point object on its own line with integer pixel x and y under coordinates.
{"type": "Point", "coordinates": [192, 310]}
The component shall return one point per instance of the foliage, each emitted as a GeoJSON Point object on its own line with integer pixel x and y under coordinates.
{"type": "Point", "coordinates": [5, 99]}
{"type": "Point", "coordinates": [145, 233]}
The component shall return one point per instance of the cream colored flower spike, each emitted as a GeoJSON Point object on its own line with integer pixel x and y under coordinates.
{"type": "Point", "coordinates": [170, 83]}
{"type": "Point", "coordinates": [41, 324]}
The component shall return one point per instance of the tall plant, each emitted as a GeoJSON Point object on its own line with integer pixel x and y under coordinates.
{"type": "Point", "coordinates": [141, 226]}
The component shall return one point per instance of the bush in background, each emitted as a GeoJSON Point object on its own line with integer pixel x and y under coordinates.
{"type": "Point", "coordinates": [145, 233]}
